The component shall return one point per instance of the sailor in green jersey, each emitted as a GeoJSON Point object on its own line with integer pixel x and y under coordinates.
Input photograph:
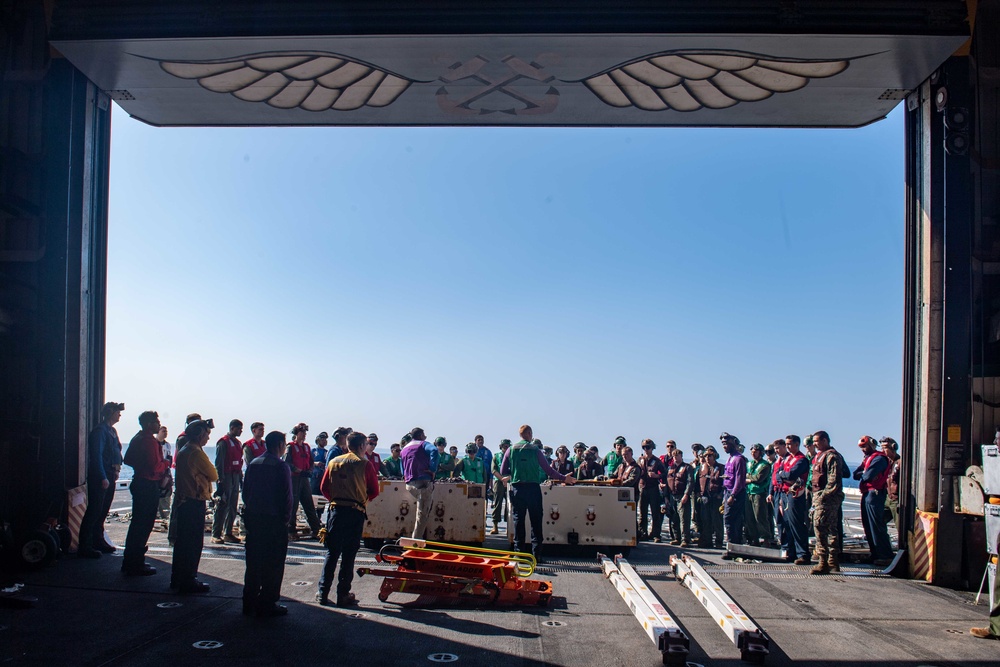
{"type": "Point", "coordinates": [758, 523]}
{"type": "Point", "coordinates": [392, 467]}
{"type": "Point", "coordinates": [499, 487]}
{"type": "Point", "coordinates": [446, 462]}
{"type": "Point", "coordinates": [523, 463]}
{"type": "Point", "coordinates": [579, 455]}
{"type": "Point", "coordinates": [470, 468]}
{"type": "Point", "coordinates": [614, 457]}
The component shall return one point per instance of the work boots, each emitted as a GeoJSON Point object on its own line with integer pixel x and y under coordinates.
{"type": "Point", "coordinates": [820, 568]}
{"type": "Point", "coordinates": [496, 529]}
{"type": "Point", "coordinates": [833, 563]}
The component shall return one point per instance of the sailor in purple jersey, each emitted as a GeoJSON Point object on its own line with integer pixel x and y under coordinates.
{"type": "Point", "coordinates": [734, 483]}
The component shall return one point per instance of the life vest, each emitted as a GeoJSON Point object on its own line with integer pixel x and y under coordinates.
{"type": "Point", "coordinates": [892, 483]}
{"type": "Point", "coordinates": [787, 464]}
{"type": "Point", "coordinates": [234, 454]}
{"type": "Point", "coordinates": [710, 484]}
{"type": "Point", "coordinates": [677, 479]}
{"type": "Point", "coordinates": [819, 476]}
{"type": "Point", "coordinates": [300, 456]}
{"type": "Point", "coordinates": [879, 482]}
{"type": "Point", "coordinates": [775, 469]}
{"type": "Point", "coordinates": [256, 447]}
{"type": "Point", "coordinates": [524, 463]}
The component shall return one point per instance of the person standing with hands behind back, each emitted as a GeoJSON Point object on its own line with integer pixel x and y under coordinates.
{"type": "Point", "coordinates": [195, 475]}
{"type": "Point", "coordinates": [104, 461]}
{"type": "Point", "coordinates": [652, 472]}
{"type": "Point", "coordinates": [267, 500]}
{"type": "Point", "coordinates": [149, 475]}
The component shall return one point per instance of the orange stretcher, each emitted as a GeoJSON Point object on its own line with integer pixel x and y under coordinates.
{"type": "Point", "coordinates": [451, 571]}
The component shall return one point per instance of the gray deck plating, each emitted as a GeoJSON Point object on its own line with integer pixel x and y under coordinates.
{"type": "Point", "coordinates": [89, 614]}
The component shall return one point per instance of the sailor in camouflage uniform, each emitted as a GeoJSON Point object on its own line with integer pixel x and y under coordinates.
{"type": "Point", "coordinates": [827, 497]}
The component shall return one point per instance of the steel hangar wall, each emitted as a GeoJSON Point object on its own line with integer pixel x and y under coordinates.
{"type": "Point", "coordinates": [54, 149]}
{"type": "Point", "coordinates": [55, 136]}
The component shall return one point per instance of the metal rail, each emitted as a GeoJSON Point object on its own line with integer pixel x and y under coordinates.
{"type": "Point", "coordinates": [670, 640]}
{"type": "Point", "coordinates": [752, 642]}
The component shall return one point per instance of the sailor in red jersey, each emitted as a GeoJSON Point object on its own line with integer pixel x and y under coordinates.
{"type": "Point", "coordinates": [776, 498]}
{"type": "Point", "coordinates": [145, 456]}
{"type": "Point", "coordinates": [873, 473]}
{"type": "Point", "coordinates": [299, 459]}
{"type": "Point", "coordinates": [795, 509]}
{"type": "Point", "coordinates": [229, 467]}
{"type": "Point", "coordinates": [255, 446]}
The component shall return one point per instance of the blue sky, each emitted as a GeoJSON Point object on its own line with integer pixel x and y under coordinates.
{"type": "Point", "coordinates": [663, 283]}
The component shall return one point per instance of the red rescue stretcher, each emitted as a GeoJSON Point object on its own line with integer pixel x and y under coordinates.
{"type": "Point", "coordinates": [451, 571]}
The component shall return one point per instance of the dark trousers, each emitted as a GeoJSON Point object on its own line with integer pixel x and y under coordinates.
{"type": "Point", "coordinates": [95, 506]}
{"type": "Point", "coordinates": [188, 543]}
{"type": "Point", "coordinates": [344, 527]}
{"type": "Point", "coordinates": [227, 504]}
{"type": "Point", "coordinates": [758, 525]}
{"type": "Point", "coordinates": [266, 547]}
{"type": "Point", "coordinates": [302, 494]}
{"type": "Point", "coordinates": [710, 521]}
{"type": "Point", "coordinates": [873, 520]}
{"type": "Point", "coordinates": [145, 501]}
{"type": "Point", "coordinates": [526, 500]}
{"type": "Point", "coordinates": [680, 517]}
{"type": "Point", "coordinates": [778, 505]}
{"type": "Point", "coordinates": [796, 512]}
{"type": "Point", "coordinates": [734, 515]}
{"type": "Point", "coordinates": [499, 500]}
{"type": "Point", "coordinates": [650, 501]}
{"type": "Point", "coordinates": [109, 498]}
{"type": "Point", "coordinates": [771, 522]}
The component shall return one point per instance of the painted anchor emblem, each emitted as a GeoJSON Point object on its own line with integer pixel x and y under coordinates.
{"type": "Point", "coordinates": [494, 85]}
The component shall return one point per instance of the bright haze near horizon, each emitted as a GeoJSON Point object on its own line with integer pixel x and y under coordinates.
{"type": "Point", "coordinates": [661, 283]}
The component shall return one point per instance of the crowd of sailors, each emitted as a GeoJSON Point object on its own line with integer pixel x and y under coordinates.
{"type": "Point", "coordinates": [774, 497]}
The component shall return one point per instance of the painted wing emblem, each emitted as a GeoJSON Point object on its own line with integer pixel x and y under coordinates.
{"type": "Point", "coordinates": [689, 80]}
{"type": "Point", "coordinates": [286, 80]}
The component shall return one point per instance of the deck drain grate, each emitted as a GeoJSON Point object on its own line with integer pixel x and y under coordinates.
{"type": "Point", "coordinates": [442, 657]}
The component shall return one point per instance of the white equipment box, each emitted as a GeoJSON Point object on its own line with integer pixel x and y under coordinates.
{"type": "Point", "coordinates": [991, 470]}
{"type": "Point", "coordinates": [992, 514]}
{"type": "Point", "coordinates": [458, 513]}
{"type": "Point", "coordinates": [586, 515]}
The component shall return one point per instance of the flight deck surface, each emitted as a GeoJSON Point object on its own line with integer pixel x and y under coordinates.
{"type": "Point", "coordinates": [89, 613]}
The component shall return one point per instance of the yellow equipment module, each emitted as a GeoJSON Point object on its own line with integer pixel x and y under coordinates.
{"type": "Point", "coordinates": [458, 513]}
{"type": "Point", "coordinates": [585, 514]}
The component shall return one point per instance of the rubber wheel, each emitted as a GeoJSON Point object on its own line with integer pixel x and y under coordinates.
{"type": "Point", "coordinates": [38, 549]}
